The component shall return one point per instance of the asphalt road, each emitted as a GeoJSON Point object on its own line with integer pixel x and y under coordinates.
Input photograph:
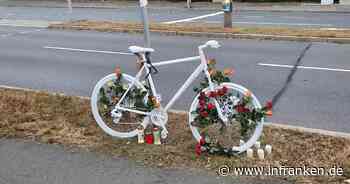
{"type": "Point", "coordinates": [243, 18]}
{"type": "Point", "coordinates": [315, 98]}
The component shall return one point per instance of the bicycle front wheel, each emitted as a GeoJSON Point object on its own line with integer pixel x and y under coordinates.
{"type": "Point", "coordinates": [107, 93]}
{"type": "Point", "coordinates": [234, 134]}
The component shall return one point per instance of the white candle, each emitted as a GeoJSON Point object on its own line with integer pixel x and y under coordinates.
{"type": "Point", "coordinates": [241, 142]}
{"type": "Point", "coordinates": [261, 154]}
{"type": "Point", "coordinates": [257, 145]}
{"type": "Point", "coordinates": [268, 149]}
{"type": "Point", "coordinates": [250, 153]}
{"type": "Point", "coordinates": [140, 135]}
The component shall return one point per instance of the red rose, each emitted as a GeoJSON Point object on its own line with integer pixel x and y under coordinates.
{"type": "Point", "coordinates": [201, 108]}
{"type": "Point", "coordinates": [268, 105]}
{"type": "Point", "coordinates": [202, 94]}
{"type": "Point", "coordinates": [204, 114]}
{"type": "Point", "coordinates": [241, 108]}
{"type": "Point", "coordinates": [210, 106]}
{"type": "Point", "coordinates": [201, 102]}
{"type": "Point", "coordinates": [224, 89]}
{"type": "Point", "coordinates": [198, 149]}
{"type": "Point", "coordinates": [202, 141]}
{"type": "Point", "coordinates": [221, 92]}
{"type": "Point", "coordinates": [246, 110]}
{"type": "Point", "coordinates": [212, 94]}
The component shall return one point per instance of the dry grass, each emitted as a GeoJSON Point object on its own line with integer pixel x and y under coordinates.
{"type": "Point", "coordinates": [201, 28]}
{"type": "Point", "coordinates": [58, 119]}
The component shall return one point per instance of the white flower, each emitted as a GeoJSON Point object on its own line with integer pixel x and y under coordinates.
{"type": "Point", "coordinates": [143, 90]}
{"type": "Point", "coordinates": [125, 86]}
{"type": "Point", "coordinates": [110, 83]}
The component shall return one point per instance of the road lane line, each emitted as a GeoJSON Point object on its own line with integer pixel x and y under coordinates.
{"type": "Point", "coordinates": [6, 35]}
{"type": "Point", "coordinates": [87, 50]}
{"type": "Point", "coordinates": [304, 67]}
{"type": "Point", "coordinates": [194, 18]}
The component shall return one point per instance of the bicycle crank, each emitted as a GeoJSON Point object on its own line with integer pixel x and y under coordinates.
{"type": "Point", "coordinates": [116, 115]}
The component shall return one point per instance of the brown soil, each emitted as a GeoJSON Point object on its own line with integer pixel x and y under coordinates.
{"type": "Point", "coordinates": [58, 119]}
{"type": "Point", "coordinates": [200, 28]}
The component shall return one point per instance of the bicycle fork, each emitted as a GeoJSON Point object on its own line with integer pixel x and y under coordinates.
{"type": "Point", "coordinates": [211, 84]}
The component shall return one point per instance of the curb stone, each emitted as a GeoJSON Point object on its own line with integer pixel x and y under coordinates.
{"type": "Point", "coordinates": [27, 23]}
{"type": "Point", "coordinates": [182, 112]}
{"type": "Point", "coordinates": [221, 35]}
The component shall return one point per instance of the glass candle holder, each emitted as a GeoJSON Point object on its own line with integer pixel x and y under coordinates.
{"type": "Point", "coordinates": [156, 135]}
{"type": "Point", "coordinates": [149, 138]}
{"type": "Point", "coordinates": [140, 134]}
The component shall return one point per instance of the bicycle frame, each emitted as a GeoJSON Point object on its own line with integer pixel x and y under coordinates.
{"type": "Point", "coordinates": [202, 67]}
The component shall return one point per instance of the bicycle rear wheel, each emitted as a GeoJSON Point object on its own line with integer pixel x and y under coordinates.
{"type": "Point", "coordinates": [231, 133]}
{"type": "Point", "coordinates": [106, 94]}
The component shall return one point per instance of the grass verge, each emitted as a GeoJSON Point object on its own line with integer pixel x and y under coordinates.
{"type": "Point", "coordinates": [275, 33]}
{"type": "Point", "coordinates": [66, 120]}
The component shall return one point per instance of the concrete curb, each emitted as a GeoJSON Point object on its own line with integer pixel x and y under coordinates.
{"type": "Point", "coordinates": [222, 35]}
{"type": "Point", "coordinates": [182, 112]}
{"type": "Point", "coordinates": [27, 23]}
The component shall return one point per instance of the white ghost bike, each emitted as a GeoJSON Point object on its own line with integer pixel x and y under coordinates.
{"type": "Point", "coordinates": [110, 118]}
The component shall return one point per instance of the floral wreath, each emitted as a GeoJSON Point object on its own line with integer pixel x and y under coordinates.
{"type": "Point", "coordinates": [207, 114]}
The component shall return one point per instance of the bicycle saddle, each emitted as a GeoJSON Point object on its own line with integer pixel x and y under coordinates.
{"type": "Point", "coordinates": [137, 49]}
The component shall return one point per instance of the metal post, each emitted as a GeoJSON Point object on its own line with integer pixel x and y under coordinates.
{"type": "Point", "coordinates": [70, 8]}
{"type": "Point", "coordinates": [228, 19]}
{"type": "Point", "coordinates": [227, 8]}
{"type": "Point", "coordinates": [189, 3]}
{"type": "Point", "coordinates": [144, 16]}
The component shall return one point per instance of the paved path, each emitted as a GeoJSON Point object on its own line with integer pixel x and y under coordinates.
{"type": "Point", "coordinates": [32, 163]}
{"type": "Point", "coordinates": [316, 98]}
{"type": "Point", "coordinates": [131, 13]}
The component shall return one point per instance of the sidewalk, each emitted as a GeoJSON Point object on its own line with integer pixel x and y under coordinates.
{"type": "Point", "coordinates": [303, 7]}
{"type": "Point", "coordinates": [33, 163]}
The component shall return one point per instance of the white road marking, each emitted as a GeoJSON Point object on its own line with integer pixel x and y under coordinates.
{"type": "Point", "coordinates": [194, 18]}
{"type": "Point", "coordinates": [87, 50]}
{"type": "Point", "coordinates": [18, 33]}
{"type": "Point", "coordinates": [6, 35]}
{"type": "Point", "coordinates": [305, 67]}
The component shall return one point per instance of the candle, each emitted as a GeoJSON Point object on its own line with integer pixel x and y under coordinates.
{"type": "Point", "coordinates": [149, 138]}
{"type": "Point", "coordinates": [156, 135]}
{"type": "Point", "coordinates": [257, 145]}
{"type": "Point", "coordinates": [268, 149]}
{"type": "Point", "coordinates": [241, 142]}
{"type": "Point", "coordinates": [250, 153]}
{"type": "Point", "coordinates": [261, 154]}
{"type": "Point", "coordinates": [140, 134]}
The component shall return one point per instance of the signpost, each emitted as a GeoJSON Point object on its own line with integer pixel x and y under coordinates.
{"type": "Point", "coordinates": [70, 9]}
{"type": "Point", "coordinates": [227, 8]}
{"type": "Point", "coordinates": [144, 16]}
